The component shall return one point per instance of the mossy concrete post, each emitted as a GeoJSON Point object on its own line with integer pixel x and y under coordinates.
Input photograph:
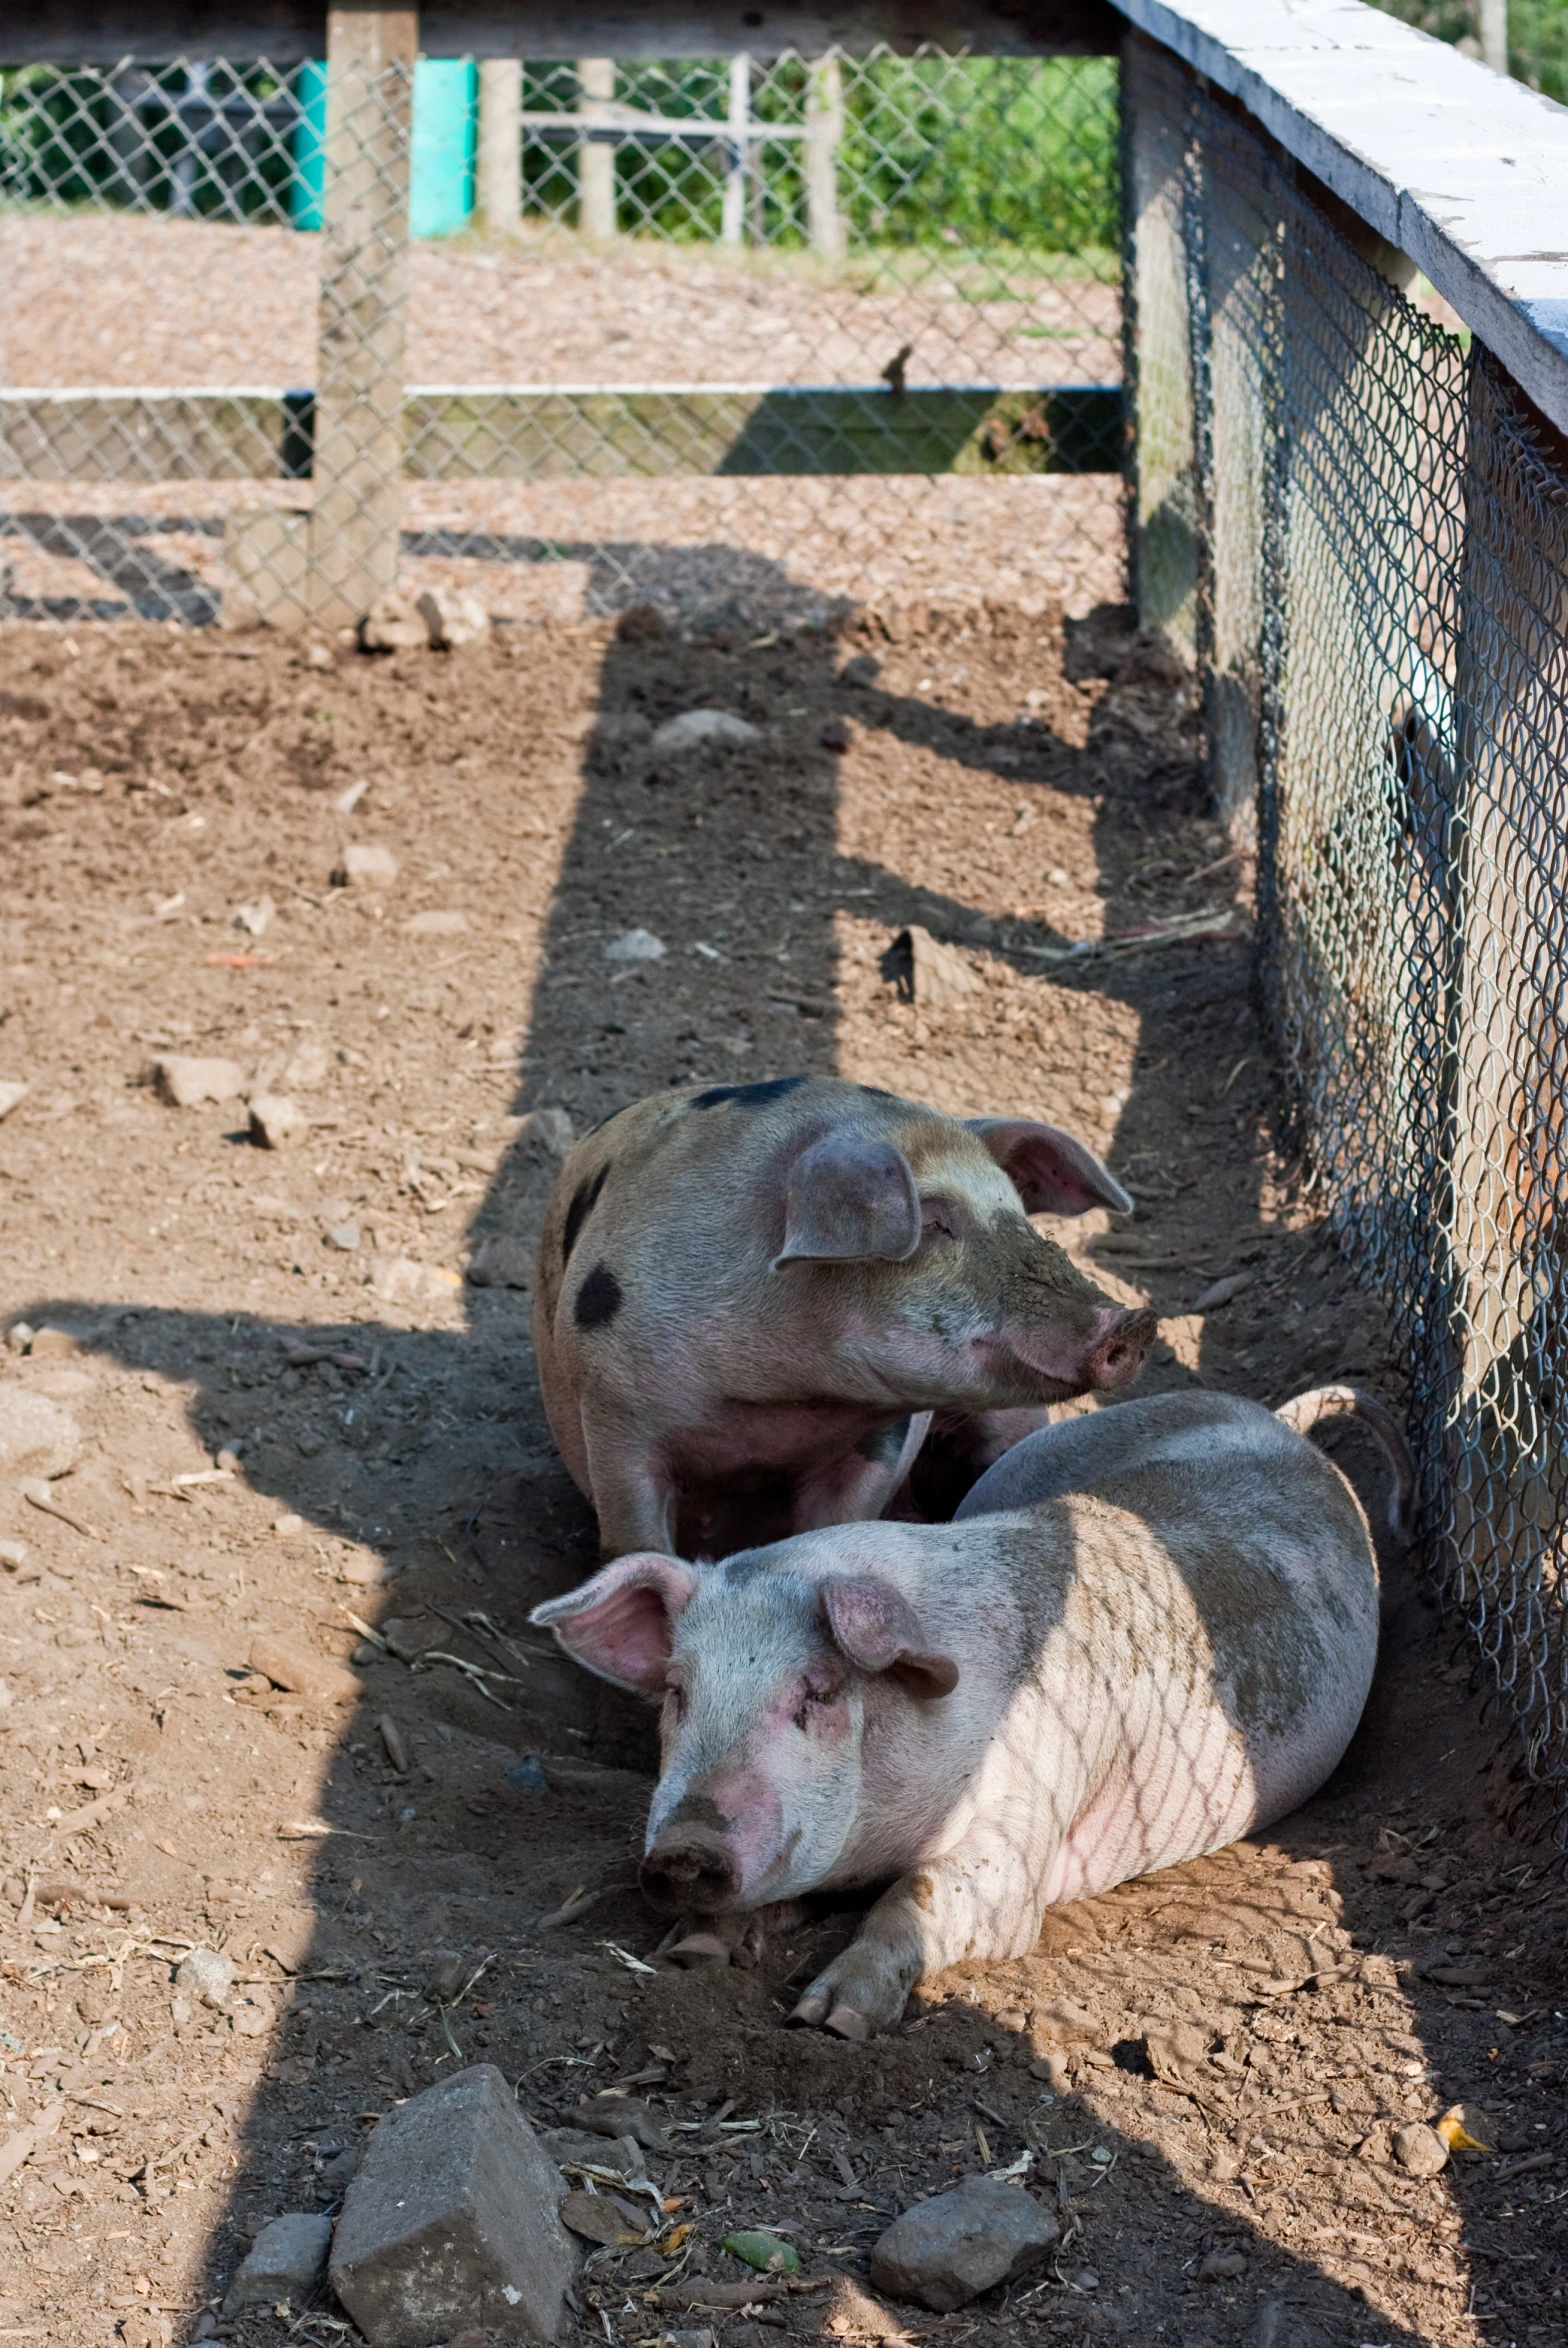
{"type": "Point", "coordinates": [362, 317]}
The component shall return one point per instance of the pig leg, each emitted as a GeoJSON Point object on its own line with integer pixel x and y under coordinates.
{"type": "Point", "coordinates": [856, 1489]}
{"type": "Point", "coordinates": [984, 1899]}
{"type": "Point", "coordinates": [634, 1503]}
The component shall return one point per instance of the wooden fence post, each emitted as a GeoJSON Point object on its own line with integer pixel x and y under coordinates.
{"type": "Point", "coordinates": [824, 137]}
{"type": "Point", "coordinates": [501, 144]}
{"type": "Point", "coordinates": [737, 162]}
{"type": "Point", "coordinates": [595, 157]}
{"type": "Point", "coordinates": [356, 521]}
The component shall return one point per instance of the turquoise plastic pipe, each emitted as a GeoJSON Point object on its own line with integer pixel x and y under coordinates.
{"type": "Point", "coordinates": [441, 165]}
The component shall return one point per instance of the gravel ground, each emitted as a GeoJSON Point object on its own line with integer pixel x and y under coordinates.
{"type": "Point", "coordinates": [115, 300]}
{"type": "Point", "coordinates": [347, 1324]}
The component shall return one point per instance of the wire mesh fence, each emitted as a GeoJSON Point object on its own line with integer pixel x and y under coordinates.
{"type": "Point", "coordinates": [1374, 558]}
{"type": "Point", "coordinates": [734, 336]}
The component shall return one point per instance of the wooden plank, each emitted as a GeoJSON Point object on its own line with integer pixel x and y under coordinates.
{"type": "Point", "coordinates": [490, 434]}
{"type": "Point", "coordinates": [145, 435]}
{"type": "Point", "coordinates": [97, 32]}
{"type": "Point", "coordinates": [362, 316]}
{"type": "Point", "coordinates": [1464, 171]}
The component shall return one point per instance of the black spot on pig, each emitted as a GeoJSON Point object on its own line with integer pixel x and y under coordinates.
{"type": "Point", "coordinates": [747, 1096]}
{"type": "Point", "coordinates": [584, 1199]}
{"type": "Point", "coordinates": [598, 1299]}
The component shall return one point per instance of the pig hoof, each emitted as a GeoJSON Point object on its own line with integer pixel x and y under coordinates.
{"type": "Point", "coordinates": [810, 2010]}
{"type": "Point", "coordinates": [844, 2022]}
{"type": "Point", "coordinates": [699, 1948]}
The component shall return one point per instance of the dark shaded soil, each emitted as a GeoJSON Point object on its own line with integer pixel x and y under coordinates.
{"type": "Point", "coordinates": [1395, 1948]}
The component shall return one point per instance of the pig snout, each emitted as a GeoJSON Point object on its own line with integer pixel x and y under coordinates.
{"type": "Point", "coordinates": [1118, 1348]}
{"type": "Point", "coordinates": [690, 1867]}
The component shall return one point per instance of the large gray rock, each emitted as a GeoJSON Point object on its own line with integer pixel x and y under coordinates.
{"type": "Point", "coordinates": [943, 2252]}
{"type": "Point", "coordinates": [37, 1437]}
{"type": "Point", "coordinates": [284, 2262]}
{"type": "Point", "coordinates": [451, 2222]}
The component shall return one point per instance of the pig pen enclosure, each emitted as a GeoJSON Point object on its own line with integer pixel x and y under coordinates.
{"type": "Point", "coordinates": [845, 386]}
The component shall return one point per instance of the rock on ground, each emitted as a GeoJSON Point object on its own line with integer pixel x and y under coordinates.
{"type": "Point", "coordinates": [11, 1094]}
{"type": "Point", "coordinates": [945, 2251]}
{"type": "Point", "coordinates": [183, 1081]}
{"type": "Point", "coordinates": [37, 1437]}
{"type": "Point", "coordinates": [365, 865]}
{"type": "Point", "coordinates": [702, 729]}
{"type": "Point", "coordinates": [276, 1122]}
{"type": "Point", "coordinates": [283, 2262]}
{"type": "Point", "coordinates": [452, 2221]}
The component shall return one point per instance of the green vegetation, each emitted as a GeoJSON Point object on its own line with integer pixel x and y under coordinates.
{"type": "Point", "coordinates": [1537, 35]}
{"type": "Point", "coordinates": [972, 153]}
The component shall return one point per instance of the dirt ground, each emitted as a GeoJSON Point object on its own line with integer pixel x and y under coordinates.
{"type": "Point", "coordinates": [334, 1343]}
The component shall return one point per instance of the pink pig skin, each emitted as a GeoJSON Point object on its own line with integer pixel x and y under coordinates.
{"type": "Point", "coordinates": [749, 1299]}
{"type": "Point", "coordinates": [1149, 1631]}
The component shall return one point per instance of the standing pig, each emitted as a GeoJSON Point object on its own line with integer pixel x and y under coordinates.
{"type": "Point", "coordinates": [749, 1296]}
{"type": "Point", "coordinates": [1148, 1631]}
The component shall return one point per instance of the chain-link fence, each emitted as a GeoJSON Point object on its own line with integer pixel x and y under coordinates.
{"type": "Point", "coordinates": [731, 336]}
{"type": "Point", "coordinates": [1362, 527]}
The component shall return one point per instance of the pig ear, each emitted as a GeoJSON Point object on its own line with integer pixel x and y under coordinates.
{"type": "Point", "coordinates": [848, 1198]}
{"type": "Point", "coordinates": [1051, 1171]}
{"type": "Point", "coordinates": [875, 1628]}
{"type": "Point", "coordinates": [619, 1624]}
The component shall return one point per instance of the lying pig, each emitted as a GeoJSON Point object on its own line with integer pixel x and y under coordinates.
{"type": "Point", "coordinates": [750, 1296]}
{"type": "Point", "coordinates": [1148, 1631]}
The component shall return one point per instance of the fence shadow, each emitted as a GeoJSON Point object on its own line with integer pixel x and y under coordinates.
{"type": "Point", "coordinates": [735, 867]}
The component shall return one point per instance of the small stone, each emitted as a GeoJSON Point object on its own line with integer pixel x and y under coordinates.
{"type": "Point", "coordinates": [528, 1775]}
{"type": "Point", "coordinates": [436, 925]}
{"type": "Point", "coordinates": [50, 1344]}
{"type": "Point", "coordinates": [1052, 2067]}
{"type": "Point", "coordinates": [635, 945]}
{"type": "Point", "coordinates": [184, 1082]}
{"type": "Point", "coordinates": [365, 866]}
{"type": "Point", "coordinates": [256, 918]}
{"type": "Point", "coordinates": [284, 2261]}
{"type": "Point", "coordinates": [1222, 1291]}
{"type": "Point", "coordinates": [253, 2018]}
{"type": "Point", "coordinates": [944, 2252]}
{"type": "Point", "coordinates": [702, 729]}
{"type": "Point", "coordinates": [1419, 2149]}
{"type": "Point", "coordinates": [19, 1336]}
{"type": "Point", "coordinates": [344, 1236]}
{"type": "Point", "coordinates": [837, 735]}
{"type": "Point", "coordinates": [288, 1527]}
{"type": "Point", "coordinates": [37, 1437]}
{"type": "Point", "coordinates": [1223, 2266]}
{"type": "Point", "coordinates": [309, 1064]}
{"type": "Point", "coordinates": [598, 2217]}
{"type": "Point", "coordinates": [453, 616]}
{"type": "Point", "coordinates": [928, 972]}
{"type": "Point", "coordinates": [1060, 2020]}
{"type": "Point", "coordinates": [423, 1286]}
{"type": "Point", "coordinates": [1176, 2049]}
{"type": "Point", "coordinates": [501, 1261]}
{"type": "Point", "coordinates": [641, 623]}
{"type": "Point", "coordinates": [554, 1128]}
{"type": "Point", "coordinates": [276, 1122]}
{"type": "Point", "coordinates": [452, 2220]}
{"type": "Point", "coordinates": [300, 1673]}
{"type": "Point", "coordinates": [13, 1555]}
{"type": "Point", "coordinates": [393, 624]}
{"type": "Point", "coordinates": [12, 1094]}
{"type": "Point", "coordinates": [205, 1974]}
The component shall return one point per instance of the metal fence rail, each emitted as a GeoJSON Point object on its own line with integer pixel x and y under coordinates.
{"type": "Point", "coordinates": [896, 277]}
{"type": "Point", "coordinates": [1361, 525]}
